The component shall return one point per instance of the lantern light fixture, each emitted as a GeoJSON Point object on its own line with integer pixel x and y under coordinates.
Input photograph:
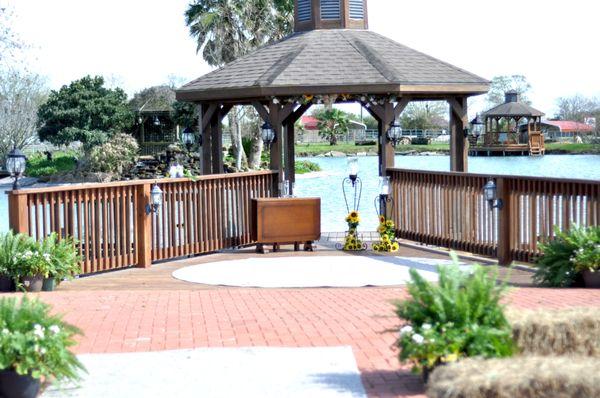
{"type": "Point", "coordinates": [490, 193]}
{"type": "Point", "coordinates": [477, 126]}
{"type": "Point", "coordinates": [268, 134]}
{"type": "Point", "coordinates": [156, 121]}
{"type": "Point", "coordinates": [156, 199]}
{"type": "Point", "coordinates": [394, 133]}
{"type": "Point", "coordinates": [16, 162]}
{"type": "Point", "coordinates": [188, 138]}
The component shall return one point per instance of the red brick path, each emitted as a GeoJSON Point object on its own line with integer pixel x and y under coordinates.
{"type": "Point", "coordinates": [120, 321]}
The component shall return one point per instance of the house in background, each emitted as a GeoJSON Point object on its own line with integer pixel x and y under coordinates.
{"type": "Point", "coordinates": [565, 130]}
{"type": "Point", "coordinates": [309, 131]}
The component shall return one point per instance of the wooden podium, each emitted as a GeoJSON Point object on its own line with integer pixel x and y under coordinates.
{"type": "Point", "coordinates": [285, 221]}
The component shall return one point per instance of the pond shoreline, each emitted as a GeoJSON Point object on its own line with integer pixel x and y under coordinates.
{"type": "Point", "coordinates": [430, 152]}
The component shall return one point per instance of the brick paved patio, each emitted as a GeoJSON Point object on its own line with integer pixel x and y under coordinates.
{"type": "Point", "coordinates": [119, 316]}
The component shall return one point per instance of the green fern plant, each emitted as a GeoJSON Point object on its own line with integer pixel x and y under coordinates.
{"type": "Point", "coordinates": [559, 266]}
{"type": "Point", "coordinates": [11, 246]}
{"type": "Point", "coordinates": [459, 316]}
{"type": "Point", "coordinates": [35, 342]}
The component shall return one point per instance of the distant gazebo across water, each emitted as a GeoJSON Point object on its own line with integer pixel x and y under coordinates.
{"type": "Point", "coordinates": [511, 128]}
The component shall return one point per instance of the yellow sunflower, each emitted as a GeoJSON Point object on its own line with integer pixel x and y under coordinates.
{"type": "Point", "coordinates": [389, 224]}
{"type": "Point", "coordinates": [385, 239]}
{"type": "Point", "coordinates": [395, 247]}
{"type": "Point", "coordinates": [381, 229]}
{"type": "Point", "coordinates": [381, 219]}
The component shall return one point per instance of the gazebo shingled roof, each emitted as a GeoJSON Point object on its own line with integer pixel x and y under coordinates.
{"type": "Point", "coordinates": [332, 62]}
{"type": "Point", "coordinates": [331, 57]}
{"type": "Point", "coordinates": [513, 109]}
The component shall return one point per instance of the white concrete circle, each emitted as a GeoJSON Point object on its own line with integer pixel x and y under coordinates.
{"type": "Point", "coordinates": [309, 271]}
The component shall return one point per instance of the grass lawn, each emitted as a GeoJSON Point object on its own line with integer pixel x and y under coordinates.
{"type": "Point", "coordinates": [306, 166]}
{"type": "Point", "coordinates": [39, 166]}
{"type": "Point", "coordinates": [559, 147]}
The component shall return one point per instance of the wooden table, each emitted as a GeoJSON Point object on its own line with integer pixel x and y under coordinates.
{"type": "Point", "coordinates": [286, 221]}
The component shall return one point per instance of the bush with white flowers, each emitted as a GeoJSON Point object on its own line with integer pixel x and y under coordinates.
{"type": "Point", "coordinates": [33, 342]}
{"type": "Point", "coordinates": [459, 316]}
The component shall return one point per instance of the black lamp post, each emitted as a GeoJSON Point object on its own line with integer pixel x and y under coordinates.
{"type": "Point", "coordinates": [16, 162]}
{"type": "Point", "coordinates": [490, 192]}
{"type": "Point", "coordinates": [156, 198]}
{"type": "Point", "coordinates": [394, 133]}
{"type": "Point", "coordinates": [268, 134]}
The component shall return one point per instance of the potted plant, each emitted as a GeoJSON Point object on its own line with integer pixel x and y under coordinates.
{"type": "Point", "coordinates": [34, 348]}
{"type": "Point", "coordinates": [32, 266]}
{"type": "Point", "coordinates": [10, 246]}
{"type": "Point", "coordinates": [570, 257]}
{"type": "Point", "coordinates": [459, 316]}
{"type": "Point", "coordinates": [587, 261]}
{"type": "Point", "coordinates": [64, 260]}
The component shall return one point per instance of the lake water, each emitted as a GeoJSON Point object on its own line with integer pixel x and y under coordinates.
{"type": "Point", "coordinates": [329, 187]}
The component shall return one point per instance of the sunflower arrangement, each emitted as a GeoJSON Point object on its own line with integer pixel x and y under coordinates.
{"type": "Point", "coordinates": [388, 243]}
{"type": "Point", "coordinates": [352, 242]}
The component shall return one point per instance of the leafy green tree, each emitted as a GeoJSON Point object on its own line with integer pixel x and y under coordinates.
{"type": "Point", "coordinates": [502, 84]}
{"type": "Point", "coordinates": [425, 116]}
{"type": "Point", "coordinates": [332, 124]}
{"type": "Point", "coordinates": [84, 111]}
{"type": "Point", "coordinates": [370, 122]}
{"type": "Point", "coordinates": [228, 29]}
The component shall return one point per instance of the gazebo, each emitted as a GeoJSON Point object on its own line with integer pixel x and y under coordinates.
{"type": "Point", "coordinates": [506, 134]}
{"type": "Point", "coordinates": [331, 57]}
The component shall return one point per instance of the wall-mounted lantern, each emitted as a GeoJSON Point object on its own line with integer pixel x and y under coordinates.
{"type": "Point", "coordinates": [268, 134]}
{"type": "Point", "coordinates": [156, 199]}
{"type": "Point", "coordinates": [490, 193]}
{"type": "Point", "coordinates": [16, 162]}
{"type": "Point", "coordinates": [394, 133]}
{"type": "Point", "coordinates": [156, 121]}
{"type": "Point", "coordinates": [188, 138]}
{"type": "Point", "coordinates": [477, 126]}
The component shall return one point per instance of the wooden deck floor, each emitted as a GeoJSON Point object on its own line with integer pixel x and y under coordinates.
{"type": "Point", "coordinates": [158, 277]}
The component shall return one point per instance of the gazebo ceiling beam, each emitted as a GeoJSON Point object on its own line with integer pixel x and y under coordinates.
{"type": "Point", "coordinates": [298, 113]}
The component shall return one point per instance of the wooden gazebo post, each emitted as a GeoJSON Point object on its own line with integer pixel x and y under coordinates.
{"type": "Point", "coordinates": [459, 145]}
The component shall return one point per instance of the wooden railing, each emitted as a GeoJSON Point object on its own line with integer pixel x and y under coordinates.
{"type": "Point", "coordinates": [113, 231]}
{"type": "Point", "coordinates": [449, 210]}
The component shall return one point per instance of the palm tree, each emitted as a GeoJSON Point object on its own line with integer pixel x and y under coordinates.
{"type": "Point", "coordinates": [228, 29]}
{"type": "Point", "coordinates": [332, 124]}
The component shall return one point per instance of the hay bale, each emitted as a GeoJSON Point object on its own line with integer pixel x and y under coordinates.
{"type": "Point", "coordinates": [557, 332]}
{"type": "Point", "coordinates": [523, 377]}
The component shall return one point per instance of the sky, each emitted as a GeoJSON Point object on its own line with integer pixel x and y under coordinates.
{"type": "Point", "coordinates": [137, 44]}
